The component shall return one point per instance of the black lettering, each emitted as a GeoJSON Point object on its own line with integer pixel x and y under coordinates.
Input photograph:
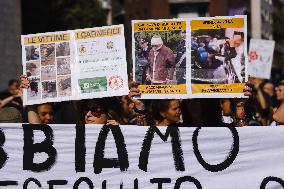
{"type": "Point", "coordinates": [30, 148]}
{"type": "Point", "coordinates": [26, 183]}
{"type": "Point", "coordinates": [8, 183]}
{"type": "Point", "coordinates": [187, 179]}
{"type": "Point", "coordinates": [271, 179]}
{"type": "Point", "coordinates": [160, 181]}
{"type": "Point", "coordinates": [80, 149]}
{"type": "Point", "coordinates": [228, 161]}
{"type": "Point", "coordinates": [52, 183]}
{"type": "Point", "coordinates": [176, 147]}
{"type": "Point", "coordinates": [83, 179]}
{"type": "Point", "coordinates": [3, 154]}
{"type": "Point", "coordinates": [99, 160]}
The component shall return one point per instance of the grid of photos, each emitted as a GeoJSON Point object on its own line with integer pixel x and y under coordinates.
{"type": "Point", "coordinates": [48, 70]}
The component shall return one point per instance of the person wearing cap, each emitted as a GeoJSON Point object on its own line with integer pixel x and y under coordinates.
{"type": "Point", "coordinates": [142, 61]}
{"type": "Point", "coordinates": [161, 62]}
{"type": "Point", "coordinates": [181, 60]}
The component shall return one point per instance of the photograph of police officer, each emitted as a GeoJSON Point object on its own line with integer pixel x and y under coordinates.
{"type": "Point", "coordinates": [142, 61]}
{"type": "Point", "coordinates": [217, 56]}
{"type": "Point", "coordinates": [181, 59]}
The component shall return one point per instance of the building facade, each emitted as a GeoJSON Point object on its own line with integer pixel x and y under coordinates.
{"type": "Point", "coordinates": [10, 45]}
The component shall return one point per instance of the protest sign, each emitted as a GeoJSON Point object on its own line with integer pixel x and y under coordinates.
{"type": "Point", "coordinates": [213, 66]}
{"type": "Point", "coordinates": [260, 58]}
{"type": "Point", "coordinates": [218, 56]}
{"type": "Point", "coordinates": [95, 156]}
{"type": "Point", "coordinates": [159, 57]}
{"type": "Point", "coordinates": [75, 64]}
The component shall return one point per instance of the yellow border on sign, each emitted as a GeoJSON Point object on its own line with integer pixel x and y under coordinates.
{"type": "Point", "coordinates": [217, 23]}
{"type": "Point", "coordinates": [95, 33]}
{"type": "Point", "coordinates": [218, 88]}
{"type": "Point", "coordinates": [159, 26]}
{"type": "Point", "coordinates": [46, 38]}
{"type": "Point", "coordinates": [163, 89]}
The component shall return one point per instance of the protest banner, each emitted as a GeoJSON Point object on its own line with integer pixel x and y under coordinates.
{"type": "Point", "coordinates": [260, 58]}
{"type": "Point", "coordinates": [159, 57]}
{"type": "Point", "coordinates": [96, 156]}
{"type": "Point", "coordinates": [75, 64]}
{"type": "Point", "coordinates": [218, 56]}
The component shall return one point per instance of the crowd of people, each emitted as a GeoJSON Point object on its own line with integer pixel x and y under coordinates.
{"type": "Point", "coordinates": [263, 107]}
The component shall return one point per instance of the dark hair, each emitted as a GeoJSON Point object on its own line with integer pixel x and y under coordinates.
{"type": "Point", "coordinates": [159, 106]}
{"type": "Point", "coordinates": [12, 81]}
{"type": "Point", "coordinates": [109, 105]}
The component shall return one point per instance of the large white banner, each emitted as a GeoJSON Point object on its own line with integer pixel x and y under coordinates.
{"type": "Point", "coordinates": [95, 156]}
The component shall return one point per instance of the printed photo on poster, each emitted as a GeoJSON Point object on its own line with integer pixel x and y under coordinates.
{"type": "Point", "coordinates": [90, 85]}
{"type": "Point", "coordinates": [217, 56]}
{"type": "Point", "coordinates": [33, 68]}
{"type": "Point", "coordinates": [32, 52]}
{"type": "Point", "coordinates": [63, 66]}
{"type": "Point", "coordinates": [47, 52]}
{"type": "Point", "coordinates": [49, 89]}
{"type": "Point", "coordinates": [34, 92]}
{"type": "Point", "coordinates": [48, 73]}
{"type": "Point", "coordinates": [62, 49]}
{"type": "Point", "coordinates": [160, 57]}
{"type": "Point", "coordinates": [64, 85]}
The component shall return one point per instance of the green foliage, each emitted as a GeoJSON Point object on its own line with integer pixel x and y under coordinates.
{"type": "Point", "coordinates": [58, 15]}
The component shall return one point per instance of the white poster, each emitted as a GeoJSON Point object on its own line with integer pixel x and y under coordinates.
{"type": "Point", "coordinates": [75, 64]}
{"type": "Point", "coordinates": [95, 156]}
{"type": "Point", "coordinates": [260, 58]}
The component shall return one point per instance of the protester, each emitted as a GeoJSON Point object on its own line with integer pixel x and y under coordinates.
{"type": "Point", "coordinates": [166, 112]}
{"type": "Point", "coordinates": [278, 116]}
{"type": "Point", "coordinates": [280, 92]}
{"type": "Point", "coordinates": [12, 97]}
{"type": "Point", "coordinates": [95, 112]}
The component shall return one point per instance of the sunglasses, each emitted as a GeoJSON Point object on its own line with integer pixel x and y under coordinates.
{"type": "Point", "coordinates": [95, 111]}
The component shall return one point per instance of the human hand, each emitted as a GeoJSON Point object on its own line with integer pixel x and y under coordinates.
{"type": "Point", "coordinates": [112, 123]}
{"type": "Point", "coordinates": [24, 82]}
{"type": "Point", "coordinates": [248, 89]}
{"type": "Point", "coordinates": [135, 92]}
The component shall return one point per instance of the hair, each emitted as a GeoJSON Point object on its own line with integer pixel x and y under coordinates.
{"type": "Point", "coordinates": [159, 106]}
{"type": "Point", "coordinates": [12, 81]}
{"type": "Point", "coordinates": [109, 105]}
{"type": "Point", "coordinates": [280, 84]}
